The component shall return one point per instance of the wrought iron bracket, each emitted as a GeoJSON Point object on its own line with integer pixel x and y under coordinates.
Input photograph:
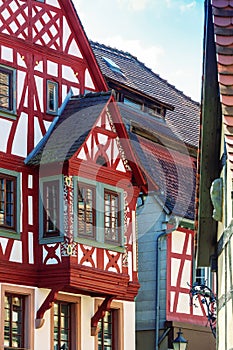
{"type": "Point", "coordinates": [206, 296]}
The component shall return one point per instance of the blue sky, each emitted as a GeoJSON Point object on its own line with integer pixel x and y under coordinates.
{"type": "Point", "coordinates": [166, 35]}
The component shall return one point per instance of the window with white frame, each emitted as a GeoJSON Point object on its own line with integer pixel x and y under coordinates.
{"type": "Point", "coordinates": [203, 276]}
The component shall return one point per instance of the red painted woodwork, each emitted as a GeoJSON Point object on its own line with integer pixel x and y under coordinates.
{"type": "Point", "coordinates": [34, 33]}
{"type": "Point", "coordinates": [183, 256]}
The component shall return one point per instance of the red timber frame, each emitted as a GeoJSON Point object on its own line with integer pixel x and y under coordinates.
{"type": "Point", "coordinates": [76, 268]}
{"type": "Point", "coordinates": [183, 283]}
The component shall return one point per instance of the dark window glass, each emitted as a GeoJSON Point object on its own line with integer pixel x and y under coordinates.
{"type": "Point", "coordinates": [6, 89]}
{"type": "Point", "coordinates": [7, 201]}
{"type": "Point", "coordinates": [111, 216]}
{"type": "Point", "coordinates": [86, 210]}
{"type": "Point", "coordinates": [52, 97]}
{"type": "Point", "coordinates": [106, 332]}
{"type": "Point", "coordinates": [51, 208]}
{"type": "Point", "coordinates": [14, 306]}
{"type": "Point", "coordinates": [62, 326]}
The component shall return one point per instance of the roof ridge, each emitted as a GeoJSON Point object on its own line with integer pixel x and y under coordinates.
{"type": "Point", "coordinates": [92, 94]}
{"type": "Point", "coordinates": [130, 56]}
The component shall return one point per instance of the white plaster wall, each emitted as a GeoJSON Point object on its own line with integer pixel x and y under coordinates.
{"type": "Point", "coordinates": [87, 311]}
{"type": "Point", "coordinates": [42, 335]}
{"type": "Point", "coordinates": [129, 326]}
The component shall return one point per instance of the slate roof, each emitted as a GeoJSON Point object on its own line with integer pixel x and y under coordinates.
{"type": "Point", "coordinates": [223, 20]}
{"type": "Point", "coordinates": [163, 166]}
{"type": "Point", "coordinates": [71, 129]}
{"type": "Point", "coordinates": [184, 120]}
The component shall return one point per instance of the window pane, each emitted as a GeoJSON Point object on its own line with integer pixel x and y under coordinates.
{"type": "Point", "coordinates": [62, 333]}
{"type": "Point", "coordinates": [6, 92]}
{"type": "Point", "coordinates": [51, 208]}
{"type": "Point", "coordinates": [105, 335]}
{"type": "Point", "coordinates": [86, 210]}
{"type": "Point", "coordinates": [7, 201]}
{"type": "Point", "coordinates": [52, 98]}
{"type": "Point", "coordinates": [14, 321]}
{"type": "Point", "coordinates": [111, 216]}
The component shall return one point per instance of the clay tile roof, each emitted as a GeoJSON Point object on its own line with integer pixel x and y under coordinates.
{"type": "Point", "coordinates": [182, 112]}
{"type": "Point", "coordinates": [174, 172]}
{"type": "Point", "coordinates": [223, 29]}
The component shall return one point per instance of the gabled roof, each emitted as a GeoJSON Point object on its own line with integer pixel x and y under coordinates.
{"type": "Point", "coordinates": [169, 172]}
{"type": "Point", "coordinates": [79, 32]}
{"type": "Point", "coordinates": [184, 119]}
{"type": "Point", "coordinates": [77, 119]}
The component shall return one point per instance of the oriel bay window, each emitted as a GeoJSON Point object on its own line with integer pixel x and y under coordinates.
{"type": "Point", "coordinates": [8, 200]}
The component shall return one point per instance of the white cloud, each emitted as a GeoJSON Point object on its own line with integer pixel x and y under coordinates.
{"type": "Point", "coordinates": [149, 55]}
{"type": "Point", "coordinates": [187, 7]}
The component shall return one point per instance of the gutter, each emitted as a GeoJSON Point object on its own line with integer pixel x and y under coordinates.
{"type": "Point", "coordinates": [157, 285]}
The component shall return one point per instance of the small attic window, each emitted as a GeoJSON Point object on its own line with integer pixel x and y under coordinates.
{"type": "Point", "coordinates": [113, 66]}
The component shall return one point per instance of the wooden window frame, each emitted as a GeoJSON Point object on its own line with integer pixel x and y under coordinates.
{"type": "Point", "coordinates": [112, 217]}
{"type": "Point", "coordinates": [55, 210]}
{"type": "Point", "coordinates": [9, 97]}
{"type": "Point", "coordinates": [86, 186]}
{"type": "Point", "coordinates": [53, 110]}
{"type": "Point", "coordinates": [118, 337]}
{"type": "Point", "coordinates": [75, 303]}
{"type": "Point", "coordinates": [28, 312]}
{"type": "Point", "coordinates": [99, 239]}
{"type": "Point", "coordinates": [6, 203]}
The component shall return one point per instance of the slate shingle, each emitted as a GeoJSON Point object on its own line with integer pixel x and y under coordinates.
{"type": "Point", "coordinates": [184, 120]}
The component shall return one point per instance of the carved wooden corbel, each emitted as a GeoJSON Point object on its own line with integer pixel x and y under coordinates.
{"type": "Point", "coordinates": [105, 306]}
{"type": "Point", "coordinates": [46, 305]}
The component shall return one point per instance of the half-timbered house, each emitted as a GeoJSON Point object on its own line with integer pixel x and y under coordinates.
{"type": "Point", "coordinates": [167, 153]}
{"type": "Point", "coordinates": [69, 187]}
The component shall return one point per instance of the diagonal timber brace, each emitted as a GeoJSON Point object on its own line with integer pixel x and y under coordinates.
{"type": "Point", "coordinates": [105, 306]}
